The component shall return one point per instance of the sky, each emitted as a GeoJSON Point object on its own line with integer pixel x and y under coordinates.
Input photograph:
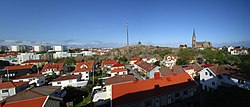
{"type": "Point", "coordinates": [156, 22]}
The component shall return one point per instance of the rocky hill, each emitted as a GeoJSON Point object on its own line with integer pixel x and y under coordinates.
{"type": "Point", "coordinates": [140, 51]}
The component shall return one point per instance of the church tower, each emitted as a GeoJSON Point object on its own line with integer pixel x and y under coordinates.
{"type": "Point", "coordinates": [194, 39]}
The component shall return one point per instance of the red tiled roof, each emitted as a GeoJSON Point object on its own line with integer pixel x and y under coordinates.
{"type": "Point", "coordinates": [58, 66]}
{"type": "Point", "coordinates": [207, 65]}
{"type": "Point", "coordinates": [119, 79]}
{"type": "Point", "coordinates": [34, 102]}
{"type": "Point", "coordinates": [117, 65]}
{"type": "Point", "coordinates": [11, 84]}
{"type": "Point", "coordinates": [67, 77]}
{"type": "Point", "coordinates": [19, 67]}
{"type": "Point", "coordinates": [34, 61]}
{"type": "Point", "coordinates": [167, 71]}
{"type": "Point", "coordinates": [118, 70]}
{"type": "Point", "coordinates": [135, 59]}
{"type": "Point", "coordinates": [146, 66]}
{"type": "Point", "coordinates": [80, 68]}
{"type": "Point", "coordinates": [141, 89]}
{"type": "Point", "coordinates": [109, 62]}
{"type": "Point", "coordinates": [29, 76]}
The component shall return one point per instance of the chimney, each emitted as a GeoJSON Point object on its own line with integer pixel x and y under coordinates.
{"type": "Point", "coordinates": [157, 86]}
{"type": "Point", "coordinates": [157, 75]}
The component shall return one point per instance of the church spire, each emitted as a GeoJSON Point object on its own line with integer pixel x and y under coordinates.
{"type": "Point", "coordinates": [194, 33]}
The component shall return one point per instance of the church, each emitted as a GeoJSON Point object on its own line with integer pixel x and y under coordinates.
{"type": "Point", "coordinates": [200, 45]}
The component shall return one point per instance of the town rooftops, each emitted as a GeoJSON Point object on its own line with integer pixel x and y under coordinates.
{"type": "Point", "coordinates": [33, 102]}
{"type": "Point", "coordinates": [109, 62]}
{"type": "Point", "coordinates": [119, 79]}
{"type": "Point", "coordinates": [67, 77]}
{"type": "Point", "coordinates": [58, 66]}
{"type": "Point", "coordinates": [118, 70]}
{"type": "Point", "coordinates": [135, 59]}
{"type": "Point", "coordinates": [30, 76]}
{"type": "Point", "coordinates": [46, 90]}
{"type": "Point", "coordinates": [5, 85]}
{"type": "Point", "coordinates": [167, 71]}
{"type": "Point", "coordinates": [207, 65]}
{"type": "Point", "coordinates": [229, 70]}
{"type": "Point", "coordinates": [19, 67]}
{"type": "Point", "coordinates": [34, 61]}
{"type": "Point", "coordinates": [138, 90]}
{"type": "Point", "coordinates": [146, 66]}
{"type": "Point", "coordinates": [84, 66]}
{"type": "Point", "coordinates": [117, 65]}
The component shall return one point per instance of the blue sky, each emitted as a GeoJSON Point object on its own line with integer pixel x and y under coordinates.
{"type": "Point", "coordinates": [150, 21]}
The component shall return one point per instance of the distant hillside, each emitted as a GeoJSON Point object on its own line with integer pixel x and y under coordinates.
{"type": "Point", "coordinates": [140, 51]}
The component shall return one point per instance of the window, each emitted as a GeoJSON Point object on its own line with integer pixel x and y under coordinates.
{"type": "Point", "coordinates": [203, 80]}
{"type": "Point", "coordinates": [210, 74]}
{"type": "Point", "coordinates": [177, 95]}
{"type": "Point", "coordinates": [185, 93]}
{"type": "Point", "coordinates": [5, 91]}
{"type": "Point", "coordinates": [148, 103]}
{"type": "Point", "coordinates": [213, 83]}
{"type": "Point", "coordinates": [205, 73]}
{"type": "Point", "coordinates": [58, 82]}
{"type": "Point", "coordinates": [87, 76]}
{"type": "Point", "coordinates": [87, 72]}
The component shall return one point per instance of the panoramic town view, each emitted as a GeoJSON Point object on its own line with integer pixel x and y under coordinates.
{"type": "Point", "coordinates": [124, 53]}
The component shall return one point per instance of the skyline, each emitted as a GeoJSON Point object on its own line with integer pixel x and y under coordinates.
{"type": "Point", "coordinates": [151, 22]}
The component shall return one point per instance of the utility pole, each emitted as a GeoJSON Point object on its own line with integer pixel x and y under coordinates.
{"type": "Point", "coordinates": [127, 34]}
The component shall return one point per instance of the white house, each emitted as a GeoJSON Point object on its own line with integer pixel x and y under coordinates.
{"type": "Point", "coordinates": [22, 57]}
{"type": "Point", "coordinates": [213, 77]}
{"type": "Point", "coordinates": [54, 68]}
{"type": "Point", "coordinates": [118, 71]}
{"type": "Point", "coordinates": [69, 80]}
{"type": "Point", "coordinates": [84, 69]}
{"type": "Point", "coordinates": [36, 79]}
{"type": "Point", "coordinates": [132, 61]}
{"type": "Point", "coordinates": [169, 61]}
{"type": "Point", "coordinates": [59, 48]}
{"type": "Point", "coordinates": [11, 88]}
{"type": "Point", "coordinates": [39, 48]}
{"type": "Point", "coordinates": [59, 55]}
{"type": "Point", "coordinates": [108, 63]}
{"type": "Point", "coordinates": [150, 60]}
{"type": "Point", "coordinates": [147, 69]}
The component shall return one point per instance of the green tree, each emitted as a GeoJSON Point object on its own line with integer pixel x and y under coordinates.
{"type": "Point", "coordinates": [186, 55]}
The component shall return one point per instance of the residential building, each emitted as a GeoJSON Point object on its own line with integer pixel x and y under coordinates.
{"type": "Point", "coordinates": [4, 48]}
{"type": "Point", "coordinates": [32, 79]}
{"type": "Point", "coordinates": [169, 61]}
{"type": "Point", "coordinates": [45, 96]}
{"type": "Point", "coordinates": [193, 70]}
{"type": "Point", "coordinates": [183, 46]}
{"type": "Point", "coordinates": [132, 61]}
{"type": "Point", "coordinates": [12, 72]}
{"type": "Point", "coordinates": [213, 77]}
{"type": "Point", "coordinates": [118, 79]}
{"type": "Point", "coordinates": [39, 48]}
{"type": "Point", "coordinates": [69, 80]}
{"type": "Point", "coordinates": [118, 71]}
{"type": "Point", "coordinates": [59, 55]}
{"type": "Point", "coordinates": [173, 71]}
{"type": "Point", "coordinates": [11, 57]}
{"type": "Point", "coordinates": [238, 51]}
{"type": "Point", "coordinates": [8, 89]}
{"type": "Point", "coordinates": [147, 69]}
{"type": "Point", "coordinates": [38, 63]}
{"type": "Point", "coordinates": [84, 69]}
{"type": "Point", "coordinates": [60, 48]}
{"type": "Point", "coordinates": [108, 63]}
{"type": "Point", "coordinates": [22, 57]}
{"type": "Point", "coordinates": [150, 60]}
{"type": "Point", "coordinates": [156, 92]}
{"type": "Point", "coordinates": [54, 68]}
{"type": "Point", "coordinates": [19, 48]}
{"type": "Point", "coordinates": [118, 66]}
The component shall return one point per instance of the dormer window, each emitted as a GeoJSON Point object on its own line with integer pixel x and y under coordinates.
{"type": "Point", "coordinates": [84, 66]}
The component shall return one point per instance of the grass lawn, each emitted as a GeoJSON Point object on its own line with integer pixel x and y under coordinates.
{"type": "Point", "coordinates": [84, 102]}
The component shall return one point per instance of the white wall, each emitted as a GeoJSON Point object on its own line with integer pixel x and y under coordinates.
{"type": "Point", "coordinates": [61, 55]}
{"type": "Point", "coordinates": [207, 77]}
{"type": "Point", "coordinates": [59, 48]}
{"type": "Point", "coordinates": [152, 72]}
{"type": "Point", "coordinates": [12, 91]}
{"type": "Point", "coordinates": [72, 82]}
{"type": "Point", "coordinates": [34, 80]}
{"type": "Point", "coordinates": [22, 57]}
{"type": "Point", "coordinates": [118, 73]}
{"type": "Point", "coordinates": [85, 75]}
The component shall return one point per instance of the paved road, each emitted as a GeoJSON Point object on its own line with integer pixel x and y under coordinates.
{"type": "Point", "coordinates": [136, 75]}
